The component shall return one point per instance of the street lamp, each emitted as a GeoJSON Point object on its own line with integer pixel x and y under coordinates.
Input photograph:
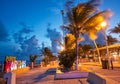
{"type": "Point", "coordinates": [62, 48]}
{"type": "Point", "coordinates": [104, 25]}
{"type": "Point", "coordinates": [62, 12]}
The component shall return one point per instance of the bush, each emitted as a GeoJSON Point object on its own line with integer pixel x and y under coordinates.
{"type": "Point", "coordinates": [67, 58]}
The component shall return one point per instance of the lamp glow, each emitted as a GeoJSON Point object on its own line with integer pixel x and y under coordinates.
{"type": "Point", "coordinates": [104, 24]}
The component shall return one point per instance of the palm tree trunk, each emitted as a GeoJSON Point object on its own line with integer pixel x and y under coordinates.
{"type": "Point", "coordinates": [97, 51]}
{"type": "Point", "coordinates": [107, 49]}
{"type": "Point", "coordinates": [32, 65]}
{"type": "Point", "coordinates": [76, 50]}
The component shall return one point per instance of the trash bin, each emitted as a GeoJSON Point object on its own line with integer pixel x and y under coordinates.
{"type": "Point", "coordinates": [104, 64]}
{"type": "Point", "coordinates": [10, 77]}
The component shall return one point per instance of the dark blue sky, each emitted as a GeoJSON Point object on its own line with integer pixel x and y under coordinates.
{"type": "Point", "coordinates": [38, 13]}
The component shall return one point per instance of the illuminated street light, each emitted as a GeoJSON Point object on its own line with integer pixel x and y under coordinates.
{"type": "Point", "coordinates": [62, 48]}
{"type": "Point", "coordinates": [104, 25]}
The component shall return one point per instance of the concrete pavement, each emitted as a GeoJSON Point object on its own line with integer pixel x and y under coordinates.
{"type": "Point", "coordinates": [42, 75]}
{"type": "Point", "coordinates": [111, 76]}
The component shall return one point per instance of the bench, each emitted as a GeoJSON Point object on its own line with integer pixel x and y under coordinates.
{"type": "Point", "coordinates": [93, 79]}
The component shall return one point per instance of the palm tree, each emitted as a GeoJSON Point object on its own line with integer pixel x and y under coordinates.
{"type": "Point", "coordinates": [32, 59]}
{"type": "Point", "coordinates": [86, 49]}
{"type": "Point", "coordinates": [116, 30]}
{"type": "Point", "coordinates": [67, 56]}
{"type": "Point", "coordinates": [111, 40]}
{"type": "Point", "coordinates": [48, 56]}
{"type": "Point", "coordinates": [85, 18]}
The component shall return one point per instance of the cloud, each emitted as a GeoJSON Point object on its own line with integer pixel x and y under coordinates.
{"type": "Point", "coordinates": [53, 35]}
{"type": "Point", "coordinates": [99, 40]}
{"type": "Point", "coordinates": [3, 32]}
{"type": "Point", "coordinates": [28, 45]}
{"type": "Point", "coordinates": [23, 34]}
{"type": "Point", "coordinates": [8, 49]}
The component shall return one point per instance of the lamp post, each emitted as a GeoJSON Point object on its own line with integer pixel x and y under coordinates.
{"type": "Point", "coordinates": [103, 25]}
{"type": "Point", "coordinates": [63, 47]}
{"type": "Point", "coordinates": [62, 12]}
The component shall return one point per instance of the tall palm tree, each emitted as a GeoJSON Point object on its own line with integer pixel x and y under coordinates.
{"type": "Point", "coordinates": [32, 59]}
{"type": "Point", "coordinates": [85, 18]}
{"type": "Point", "coordinates": [116, 29]}
{"type": "Point", "coordinates": [111, 40]}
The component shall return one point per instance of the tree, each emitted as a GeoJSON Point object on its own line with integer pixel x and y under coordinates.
{"type": "Point", "coordinates": [116, 29]}
{"type": "Point", "coordinates": [32, 59]}
{"type": "Point", "coordinates": [48, 56]}
{"type": "Point", "coordinates": [111, 40]}
{"type": "Point", "coordinates": [69, 42]}
{"type": "Point", "coordinates": [85, 18]}
{"type": "Point", "coordinates": [67, 57]}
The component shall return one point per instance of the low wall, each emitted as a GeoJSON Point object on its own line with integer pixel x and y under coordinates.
{"type": "Point", "coordinates": [21, 70]}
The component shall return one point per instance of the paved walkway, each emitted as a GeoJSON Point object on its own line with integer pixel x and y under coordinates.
{"type": "Point", "coordinates": [111, 76]}
{"type": "Point", "coordinates": [42, 76]}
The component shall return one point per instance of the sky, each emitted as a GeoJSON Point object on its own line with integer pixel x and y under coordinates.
{"type": "Point", "coordinates": [16, 15]}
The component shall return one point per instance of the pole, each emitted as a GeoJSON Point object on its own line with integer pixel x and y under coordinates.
{"type": "Point", "coordinates": [62, 12]}
{"type": "Point", "coordinates": [77, 35]}
{"type": "Point", "coordinates": [107, 48]}
{"type": "Point", "coordinates": [97, 51]}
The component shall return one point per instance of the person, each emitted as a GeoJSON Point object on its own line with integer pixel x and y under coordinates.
{"type": "Point", "coordinates": [111, 62]}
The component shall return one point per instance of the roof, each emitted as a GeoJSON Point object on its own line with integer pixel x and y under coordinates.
{"type": "Point", "coordinates": [110, 46]}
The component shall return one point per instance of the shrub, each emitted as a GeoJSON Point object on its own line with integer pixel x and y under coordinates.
{"type": "Point", "coordinates": [67, 58]}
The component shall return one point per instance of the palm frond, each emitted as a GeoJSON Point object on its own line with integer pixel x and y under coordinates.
{"type": "Point", "coordinates": [95, 21]}
{"type": "Point", "coordinates": [116, 29]}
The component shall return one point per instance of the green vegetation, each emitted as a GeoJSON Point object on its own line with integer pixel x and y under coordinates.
{"type": "Point", "coordinates": [33, 58]}
{"type": "Point", "coordinates": [84, 18]}
{"type": "Point", "coordinates": [67, 57]}
{"type": "Point", "coordinates": [48, 56]}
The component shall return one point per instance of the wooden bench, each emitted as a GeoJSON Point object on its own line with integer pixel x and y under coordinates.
{"type": "Point", "coordinates": [93, 79]}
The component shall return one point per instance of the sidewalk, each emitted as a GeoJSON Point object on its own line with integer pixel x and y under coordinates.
{"type": "Point", "coordinates": [111, 76]}
{"type": "Point", "coordinates": [42, 75]}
